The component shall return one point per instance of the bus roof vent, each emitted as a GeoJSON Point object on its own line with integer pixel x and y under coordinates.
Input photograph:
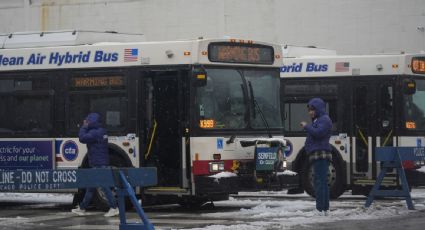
{"type": "Point", "coordinates": [64, 38]}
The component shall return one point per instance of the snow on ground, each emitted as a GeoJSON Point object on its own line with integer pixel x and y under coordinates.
{"type": "Point", "coordinates": [258, 211]}
{"type": "Point", "coordinates": [298, 210]}
{"type": "Point", "coordinates": [36, 197]}
{"type": "Point", "coordinates": [25, 198]}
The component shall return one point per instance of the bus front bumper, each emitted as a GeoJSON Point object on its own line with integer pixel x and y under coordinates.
{"type": "Point", "coordinates": [230, 185]}
{"type": "Point", "coordinates": [415, 178]}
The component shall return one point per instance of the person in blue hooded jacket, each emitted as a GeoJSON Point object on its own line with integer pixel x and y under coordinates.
{"type": "Point", "coordinates": [94, 136]}
{"type": "Point", "coordinates": [319, 150]}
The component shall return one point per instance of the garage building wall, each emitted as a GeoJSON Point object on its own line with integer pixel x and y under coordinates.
{"type": "Point", "coordinates": [349, 26]}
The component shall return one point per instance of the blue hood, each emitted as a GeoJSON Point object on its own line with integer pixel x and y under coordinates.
{"type": "Point", "coordinates": [318, 105]}
{"type": "Point", "coordinates": [319, 130]}
{"type": "Point", "coordinates": [96, 139]}
{"type": "Point", "coordinates": [94, 120]}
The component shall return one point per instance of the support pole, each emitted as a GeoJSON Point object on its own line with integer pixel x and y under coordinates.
{"type": "Point", "coordinates": [390, 156]}
{"type": "Point", "coordinates": [126, 190]}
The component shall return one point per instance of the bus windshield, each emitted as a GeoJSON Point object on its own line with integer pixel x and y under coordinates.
{"type": "Point", "coordinates": [224, 102]}
{"type": "Point", "coordinates": [415, 107]}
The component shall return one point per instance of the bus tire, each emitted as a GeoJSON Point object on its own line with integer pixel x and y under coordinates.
{"type": "Point", "coordinates": [99, 199]}
{"type": "Point", "coordinates": [335, 178]}
{"type": "Point", "coordinates": [192, 203]}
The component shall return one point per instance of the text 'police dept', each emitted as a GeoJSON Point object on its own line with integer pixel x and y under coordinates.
{"type": "Point", "coordinates": [57, 58]}
{"type": "Point", "coordinates": [310, 67]}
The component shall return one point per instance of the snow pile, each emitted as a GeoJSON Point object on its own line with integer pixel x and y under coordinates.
{"type": "Point", "coordinates": [223, 174]}
{"type": "Point", "coordinates": [299, 210]}
{"type": "Point", "coordinates": [269, 140]}
{"type": "Point", "coordinates": [36, 197]}
{"type": "Point", "coordinates": [287, 172]}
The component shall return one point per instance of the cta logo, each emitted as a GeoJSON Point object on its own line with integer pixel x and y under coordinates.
{"type": "Point", "coordinates": [298, 67]}
{"type": "Point", "coordinates": [70, 150]}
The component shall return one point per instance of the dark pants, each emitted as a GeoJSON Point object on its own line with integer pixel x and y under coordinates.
{"type": "Point", "coordinates": [89, 195]}
{"type": "Point", "coordinates": [90, 192]}
{"type": "Point", "coordinates": [321, 188]}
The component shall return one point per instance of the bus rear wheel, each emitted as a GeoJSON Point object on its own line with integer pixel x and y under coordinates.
{"type": "Point", "coordinates": [99, 200]}
{"type": "Point", "coordinates": [335, 178]}
{"type": "Point", "coordinates": [192, 202]}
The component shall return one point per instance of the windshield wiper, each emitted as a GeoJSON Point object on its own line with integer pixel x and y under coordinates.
{"type": "Point", "coordinates": [252, 99]}
{"type": "Point", "coordinates": [256, 106]}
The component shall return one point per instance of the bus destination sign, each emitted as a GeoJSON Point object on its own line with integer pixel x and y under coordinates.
{"type": "Point", "coordinates": [80, 82]}
{"type": "Point", "coordinates": [418, 65]}
{"type": "Point", "coordinates": [241, 53]}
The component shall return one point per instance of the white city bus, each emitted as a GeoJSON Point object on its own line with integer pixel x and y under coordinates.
{"type": "Point", "coordinates": [373, 100]}
{"type": "Point", "coordinates": [193, 109]}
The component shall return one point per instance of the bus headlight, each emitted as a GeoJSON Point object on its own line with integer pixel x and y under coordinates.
{"type": "Point", "coordinates": [216, 166]}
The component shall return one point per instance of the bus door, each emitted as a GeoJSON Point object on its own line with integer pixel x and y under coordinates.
{"type": "Point", "coordinates": [372, 125]}
{"type": "Point", "coordinates": [163, 112]}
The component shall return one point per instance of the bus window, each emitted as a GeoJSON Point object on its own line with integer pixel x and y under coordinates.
{"type": "Point", "coordinates": [362, 125]}
{"type": "Point", "coordinates": [25, 106]}
{"type": "Point", "coordinates": [265, 85]}
{"type": "Point", "coordinates": [386, 128]}
{"type": "Point", "coordinates": [94, 94]}
{"type": "Point", "coordinates": [313, 88]}
{"type": "Point", "coordinates": [296, 96]}
{"type": "Point", "coordinates": [222, 102]}
{"type": "Point", "coordinates": [415, 107]}
{"type": "Point", "coordinates": [297, 112]}
{"type": "Point", "coordinates": [222, 99]}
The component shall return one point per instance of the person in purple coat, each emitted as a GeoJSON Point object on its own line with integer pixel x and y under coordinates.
{"type": "Point", "coordinates": [94, 136]}
{"type": "Point", "coordinates": [319, 150]}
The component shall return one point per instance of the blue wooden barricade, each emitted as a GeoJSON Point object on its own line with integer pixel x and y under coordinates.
{"type": "Point", "coordinates": [391, 158]}
{"type": "Point", "coordinates": [123, 179]}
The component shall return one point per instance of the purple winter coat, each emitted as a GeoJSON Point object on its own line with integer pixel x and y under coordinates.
{"type": "Point", "coordinates": [320, 130]}
{"type": "Point", "coordinates": [97, 141]}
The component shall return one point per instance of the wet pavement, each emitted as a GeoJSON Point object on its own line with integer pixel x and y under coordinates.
{"type": "Point", "coordinates": [413, 221]}
{"type": "Point", "coordinates": [16, 215]}
{"type": "Point", "coordinates": [244, 212]}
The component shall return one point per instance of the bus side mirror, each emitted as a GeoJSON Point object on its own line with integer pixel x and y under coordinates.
{"type": "Point", "coordinates": [409, 86]}
{"type": "Point", "coordinates": [199, 77]}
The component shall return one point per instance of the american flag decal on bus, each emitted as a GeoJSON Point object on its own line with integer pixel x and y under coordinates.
{"type": "Point", "coordinates": [131, 55]}
{"type": "Point", "coordinates": [342, 66]}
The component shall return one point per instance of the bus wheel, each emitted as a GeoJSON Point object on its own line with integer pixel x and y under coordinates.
{"type": "Point", "coordinates": [335, 178]}
{"type": "Point", "coordinates": [99, 199]}
{"type": "Point", "coordinates": [193, 203]}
